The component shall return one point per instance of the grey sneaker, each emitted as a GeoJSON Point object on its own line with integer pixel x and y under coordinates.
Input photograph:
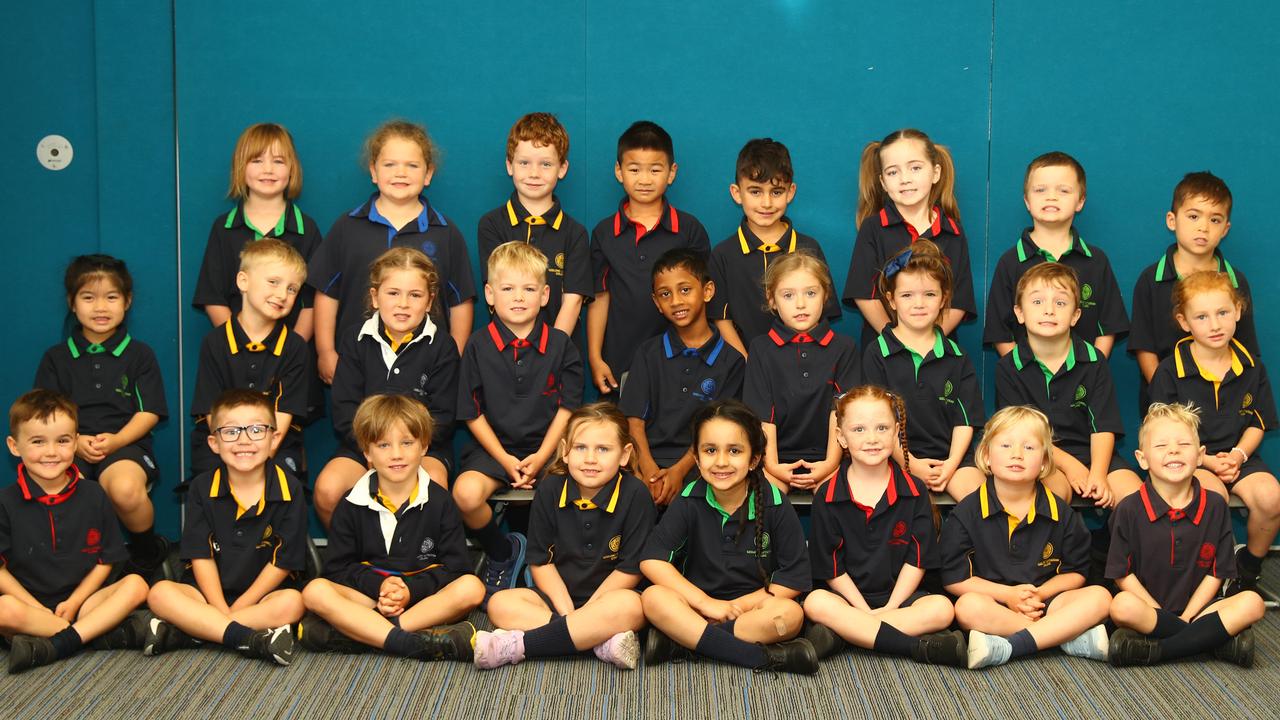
{"type": "Point", "coordinates": [987, 650]}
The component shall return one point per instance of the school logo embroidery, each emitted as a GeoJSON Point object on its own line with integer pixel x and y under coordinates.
{"type": "Point", "coordinates": [426, 550]}
{"type": "Point", "coordinates": [706, 390]}
{"type": "Point", "coordinates": [900, 529]}
{"type": "Point", "coordinates": [422, 385]}
{"type": "Point", "coordinates": [615, 542]}
{"type": "Point", "coordinates": [292, 464]}
{"type": "Point", "coordinates": [1208, 553]}
{"type": "Point", "coordinates": [265, 542]}
{"type": "Point", "coordinates": [1080, 393]}
{"type": "Point", "coordinates": [93, 541]}
{"type": "Point", "coordinates": [560, 260]}
{"type": "Point", "coordinates": [123, 389]}
{"type": "Point", "coordinates": [429, 248]}
{"type": "Point", "coordinates": [947, 389]}
{"type": "Point", "coordinates": [1047, 552]}
{"type": "Point", "coordinates": [761, 550]}
{"type": "Point", "coordinates": [1086, 295]}
{"type": "Point", "coordinates": [150, 463]}
{"type": "Point", "coordinates": [1248, 400]}
{"type": "Point", "coordinates": [551, 385]}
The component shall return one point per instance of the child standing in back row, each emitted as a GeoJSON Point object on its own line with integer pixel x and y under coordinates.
{"type": "Point", "coordinates": [906, 191]}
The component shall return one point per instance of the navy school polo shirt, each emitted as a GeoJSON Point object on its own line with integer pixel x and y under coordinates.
{"type": "Point", "coordinates": [340, 266]}
{"type": "Point", "coordinates": [669, 382]}
{"type": "Point", "coordinates": [940, 389]}
{"type": "Point", "coordinates": [622, 257]}
{"type": "Point", "coordinates": [717, 552]}
{"type": "Point", "coordinates": [425, 369]}
{"type": "Point", "coordinates": [1228, 405]}
{"type": "Point", "coordinates": [883, 234]}
{"type": "Point", "coordinates": [976, 542]}
{"type": "Point", "coordinates": [587, 540]}
{"type": "Point", "coordinates": [1170, 551]}
{"type": "Point", "coordinates": [109, 382]}
{"type": "Point", "coordinates": [1101, 304]}
{"type": "Point", "coordinates": [792, 379]}
{"type": "Point", "coordinates": [216, 283]}
{"type": "Point", "coordinates": [51, 542]}
{"type": "Point", "coordinates": [243, 540]}
{"type": "Point", "coordinates": [871, 544]}
{"type": "Point", "coordinates": [561, 238]}
{"type": "Point", "coordinates": [737, 267]}
{"type": "Point", "coordinates": [422, 542]}
{"type": "Point", "coordinates": [1079, 398]}
{"type": "Point", "coordinates": [1155, 330]}
{"type": "Point", "coordinates": [519, 384]}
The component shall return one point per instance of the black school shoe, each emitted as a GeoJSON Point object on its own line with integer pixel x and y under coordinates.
{"type": "Point", "coordinates": [275, 645]}
{"type": "Point", "coordinates": [1238, 650]}
{"type": "Point", "coordinates": [128, 635]}
{"type": "Point", "coordinates": [162, 636]}
{"type": "Point", "coordinates": [27, 651]}
{"type": "Point", "coordinates": [447, 642]}
{"type": "Point", "coordinates": [151, 568]}
{"type": "Point", "coordinates": [826, 642]}
{"type": "Point", "coordinates": [1248, 573]}
{"type": "Point", "coordinates": [1130, 647]}
{"type": "Point", "coordinates": [791, 656]}
{"type": "Point", "coordinates": [942, 648]}
{"type": "Point", "coordinates": [316, 635]}
{"type": "Point", "coordinates": [660, 648]}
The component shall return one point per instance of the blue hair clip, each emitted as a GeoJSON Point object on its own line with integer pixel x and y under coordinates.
{"type": "Point", "coordinates": [896, 265]}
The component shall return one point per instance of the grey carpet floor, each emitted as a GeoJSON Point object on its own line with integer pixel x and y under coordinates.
{"type": "Point", "coordinates": [212, 683]}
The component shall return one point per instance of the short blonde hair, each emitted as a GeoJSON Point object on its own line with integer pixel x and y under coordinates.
{"type": "Point", "coordinates": [1006, 418]}
{"type": "Point", "coordinates": [800, 260]}
{"type": "Point", "coordinates": [272, 250]}
{"type": "Point", "coordinates": [379, 413]}
{"type": "Point", "coordinates": [520, 257]}
{"type": "Point", "coordinates": [1187, 414]}
{"type": "Point", "coordinates": [255, 140]}
{"type": "Point", "coordinates": [403, 258]}
{"type": "Point", "coordinates": [1052, 274]}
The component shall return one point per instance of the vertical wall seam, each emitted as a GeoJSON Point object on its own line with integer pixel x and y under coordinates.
{"type": "Point", "coordinates": [183, 418]}
{"type": "Point", "coordinates": [986, 245]}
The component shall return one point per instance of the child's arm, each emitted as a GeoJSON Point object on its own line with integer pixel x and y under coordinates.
{"type": "Point", "coordinates": [267, 581]}
{"type": "Point", "coordinates": [1105, 343]}
{"type": "Point", "coordinates": [548, 580]}
{"type": "Point", "coordinates": [950, 321]}
{"type": "Point", "coordinates": [616, 580]}
{"type": "Point", "coordinates": [1226, 465]}
{"type": "Point", "coordinates": [532, 465]}
{"type": "Point", "coordinates": [909, 578]}
{"type": "Point", "coordinates": [570, 311]}
{"type": "Point", "coordinates": [1147, 363]}
{"type": "Point", "coordinates": [729, 332]}
{"type": "Point", "coordinates": [1205, 593]}
{"type": "Point", "coordinates": [874, 315]}
{"type": "Point", "coordinates": [848, 589]}
{"type": "Point", "coordinates": [1059, 584]}
{"type": "Point", "coordinates": [1074, 470]}
{"type": "Point", "coordinates": [771, 463]}
{"type": "Point", "coordinates": [597, 319]}
{"type": "Point", "coordinates": [325, 317]}
{"type": "Point", "coordinates": [306, 325]}
{"type": "Point", "coordinates": [828, 466]}
{"type": "Point", "coordinates": [1101, 447]}
{"type": "Point", "coordinates": [218, 314]}
{"type": "Point", "coordinates": [137, 428]}
{"type": "Point", "coordinates": [646, 466]}
{"type": "Point", "coordinates": [1003, 348]}
{"type": "Point", "coordinates": [209, 583]}
{"type": "Point", "coordinates": [668, 480]}
{"type": "Point", "coordinates": [961, 436]}
{"type": "Point", "coordinates": [70, 608]}
{"type": "Point", "coordinates": [483, 434]}
{"type": "Point", "coordinates": [461, 316]}
{"type": "Point", "coordinates": [1130, 583]}
{"type": "Point", "coordinates": [665, 574]}
{"type": "Point", "coordinates": [9, 585]}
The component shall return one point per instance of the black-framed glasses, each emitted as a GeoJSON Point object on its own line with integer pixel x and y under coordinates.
{"type": "Point", "coordinates": [231, 433]}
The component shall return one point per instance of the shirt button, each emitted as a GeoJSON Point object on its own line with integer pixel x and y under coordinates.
{"type": "Point", "coordinates": [396, 371]}
{"type": "Point", "coordinates": [920, 385]}
{"type": "Point", "coordinates": [805, 373]}
{"type": "Point", "coordinates": [252, 385]}
{"type": "Point", "coordinates": [1053, 397]}
{"type": "Point", "coordinates": [804, 354]}
{"type": "Point", "coordinates": [519, 379]}
{"type": "Point", "coordinates": [586, 525]}
{"type": "Point", "coordinates": [687, 371]}
{"type": "Point", "coordinates": [97, 366]}
{"type": "Point", "coordinates": [520, 362]}
{"type": "Point", "coordinates": [642, 257]}
{"type": "Point", "coordinates": [589, 546]}
{"type": "Point", "coordinates": [98, 385]}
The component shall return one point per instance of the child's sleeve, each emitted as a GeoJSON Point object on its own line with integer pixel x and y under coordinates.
{"type": "Point", "coordinates": [211, 376]}
{"type": "Point", "coordinates": [923, 552]}
{"type": "Point", "coordinates": [967, 408]}
{"type": "Point", "coordinates": [294, 385]}
{"type": "Point", "coordinates": [733, 380]}
{"type": "Point", "coordinates": [864, 264]}
{"type": "Point", "coordinates": [215, 282]}
{"type": "Point", "coordinates": [668, 538]}
{"type": "Point", "coordinates": [452, 546]}
{"type": "Point", "coordinates": [1112, 318]}
{"type": "Point", "coordinates": [786, 539]}
{"type": "Point", "coordinates": [1224, 559]}
{"type": "Point", "coordinates": [1008, 390]}
{"type": "Point", "coordinates": [1076, 543]}
{"type": "Point", "coordinates": [957, 550]}
{"type": "Point", "coordinates": [470, 403]}
{"type": "Point", "coordinates": [324, 271]}
{"type": "Point", "coordinates": [1246, 332]}
{"type": "Point", "coordinates": [1164, 385]}
{"type": "Point", "coordinates": [757, 390]}
{"type": "Point", "coordinates": [962, 296]}
{"type": "Point", "coordinates": [599, 261]}
{"type": "Point", "coordinates": [577, 263]}
{"type": "Point", "coordinates": [442, 384]}
{"type": "Point", "coordinates": [1264, 403]}
{"type": "Point", "coordinates": [699, 241]}
{"type": "Point", "coordinates": [347, 390]}
{"type": "Point", "coordinates": [873, 366]}
{"type": "Point", "coordinates": [1100, 400]}
{"type": "Point", "coordinates": [291, 535]}
{"type": "Point", "coordinates": [1142, 329]}
{"type": "Point", "coordinates": [999, 322]}
{"type": "Point", "coordinates": [459, 286]}
{"type": "Point", "coordinates": [572, 379]}
{"type": "Point", "coordinates": [718, 305]}
{"type": "Point", "coordinates": [343, 562]}
{"type": "Point", "coordinates": [1120, 552]}
{"type": "Point", "coordinates": [47, 376]}
{"type": "Point", "coordinates": [113, 548]}
{"type": "Point", "coordinates": [307, 243]}
{"type": "Point", "coordinates": [6, 536]}
{"type": "Point", "coordinates": [636, 527]}
{"type": "Point", "coordinates": [197, 532]}
{"type": "Point", "coordinates": [488, 238]}
{"type": "Point", "coordinates": [148, 385]}
{"type": "Point", "coordinates": [638, 399]}
{"type": "Point", "coordinates": [825, 559]}
{"type": "Point", "coordinates": [542, 521]}
{"type": "Point", "coordinates": [846, 374]}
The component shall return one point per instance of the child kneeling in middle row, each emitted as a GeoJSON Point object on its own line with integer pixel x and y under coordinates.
{"type": "Point", "coordinates": [397, 565]}
{"type": "Point", "coordinates": [587, 527]}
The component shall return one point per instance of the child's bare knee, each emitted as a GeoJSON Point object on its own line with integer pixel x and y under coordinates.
{"type": "Point", "coordinates": [470, 591]}
{"type": "Point", "coordinates": [318, 594]}
{"type": "Point", "coordinates": [971, 607]}
{"type": "Point", "coordinates": [1127, 608]}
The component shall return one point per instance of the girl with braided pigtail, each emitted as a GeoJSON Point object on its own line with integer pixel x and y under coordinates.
{"type": "Point", "coordinates": [718, 590]}
{"type": "Point", "coordinates": [873, 536]}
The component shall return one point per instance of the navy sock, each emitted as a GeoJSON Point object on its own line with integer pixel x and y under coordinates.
{"type": "Point", "coordinates": [727, 626]}
{"type": "Point", "coordinates": [1023, 644]}
{"type": "Point", "coordinates": [1249, 563]}
{"type": "Point", "coordinates": [66, 642]}
{"type": "Point", "coordinates": [236, 635]}
{"type": "Point", "coordinates": [1200, 636]}
{"type": "Point", "coordinates": [493, 541]}
{"type": "Point", "coordinates": [550, 640]}
{"type": "Point", "coordinates": [400, 642]}
{"type": "Point", "coordinates": [717, 644]}
{"type": "Point", "coordinates": [394, 620]}
{"type": "Point", "coordinates": [1168, 624]}
{"type": "Point", "coordinates": [890, 639]}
